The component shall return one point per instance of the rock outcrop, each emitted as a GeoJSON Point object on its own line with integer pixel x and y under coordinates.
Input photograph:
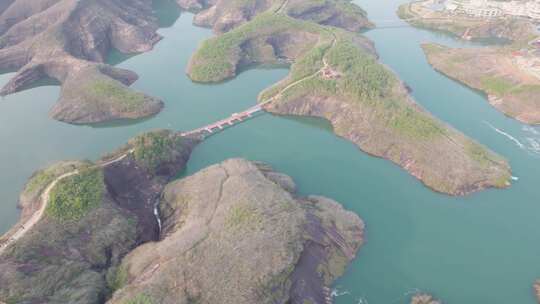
{"type": "Point", "coordinates": [237, 233]}
{"type": "Point", "coordinates": [423, 298]}
{"type": "Point", "coordinates": [92, 219]}
{"type": "Point", "coordinates": [536, 289]}
{"type": "Point", "coordinates": [68, 40]}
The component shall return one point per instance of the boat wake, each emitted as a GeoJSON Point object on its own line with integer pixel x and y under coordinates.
{"type": "Point", "coordinates": [337, 293]}
{"type": "Point", "coordinates": [512, 138]}
{"type": "Point", "coordinates": [362, 301]}
{"type": "Point", "coordinates": [530, 130]}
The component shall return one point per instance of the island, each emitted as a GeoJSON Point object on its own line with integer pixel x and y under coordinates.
{"type": "Point", "coordinates": [68, 41]}
{"type": "Point", "coordinates": [508, 69]}
{"type": "Point", "coordinates": [424, 298]}
{"type": "Point", "coordinates": [237, 233]}
{"type": "Point", "coordinates": [335, 75]}
{"type": "Point", "coordinates": [118, 230]}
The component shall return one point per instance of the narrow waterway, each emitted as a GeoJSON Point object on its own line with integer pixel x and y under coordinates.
{"type": "Point", "coordinates": [482, 248]}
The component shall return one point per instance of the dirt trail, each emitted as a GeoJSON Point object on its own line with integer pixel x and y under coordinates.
{"type": "Point", "coordinates": [44, 197]}
{"type": "Point", "coordinates": [325, 66]}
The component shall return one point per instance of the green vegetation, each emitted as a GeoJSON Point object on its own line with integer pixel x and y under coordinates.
{"type": "Point", "coordinates": [316, 12]}
{"type": "Point", "coordinates": [404, 11]}
{"type": "Point", "coordinates": [480, 154]}
{"type": "Point", "coordinates": [363, 77]}
{"type": "Point", "coordinates": [140, 299]}
{"type": "Point", "coordinates": [243, 216]}
{"type": "Point", "coordinates": [39, 181]}
{"type": "Point", "coordinates": [42, 178]}
{"type": "Point", "coordinates": [416, 124]}
{"type": "Point", "coordinates": [496, 85]}
{"type": "Point", "coordinates": [364, 81]}
{"type": "Point", "coordinates": [154, 148]}
{"type": "Point", "coordinates": [364, 101]}
{"type": "Point", "coordinates": [76, 195]}
{"type": "Point", "coordinates": [116, 278]}
{"type": "Point", "coordinates": [109, 89]}
{"type": "Point", "coordinates": [216, 58]}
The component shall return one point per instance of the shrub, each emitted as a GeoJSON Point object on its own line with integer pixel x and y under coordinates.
{"type": "Point", "coordinates": [75, 195]}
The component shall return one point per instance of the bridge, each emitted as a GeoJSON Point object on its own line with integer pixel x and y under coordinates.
{"type": "Point", "coordinates": [399, 23]}
{"type": "Point", "coordinates": [230, 121]}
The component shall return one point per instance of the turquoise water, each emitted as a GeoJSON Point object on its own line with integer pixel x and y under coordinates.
{"type": "Point", "coordinates": [482, 248]}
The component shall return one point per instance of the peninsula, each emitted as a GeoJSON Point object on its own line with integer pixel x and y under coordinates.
{"type": "Point", "coordinates": [335, 75]}
{"type": "Point", "coordinates": [68, 40]}
{"type": "Point", "coordinates": [509, 73]}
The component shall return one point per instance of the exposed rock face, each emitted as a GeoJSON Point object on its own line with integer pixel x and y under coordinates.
{"type": "Point", "coordinates": [68, 40]}
{"type": "Point", "coordinates": [236, 233]}
{"type": "Point", "coordinates": [74, 261]}
{"type": "Point", "coordinates": [224, 15]}
{"type": "Point", "coordinates": [423, 298]}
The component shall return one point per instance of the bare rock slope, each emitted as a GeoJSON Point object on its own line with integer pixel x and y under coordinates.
{"type": "Point", "coordinates": [68, 40]}
{"type": "Point", "coordinates": [236, 233]}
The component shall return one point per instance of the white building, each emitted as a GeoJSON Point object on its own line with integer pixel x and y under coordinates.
{"type": "Point", "coordinates": [492, 8]}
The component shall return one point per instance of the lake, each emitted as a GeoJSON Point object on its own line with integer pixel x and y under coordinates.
{"type": "Point", "coordinates": [482, 248]}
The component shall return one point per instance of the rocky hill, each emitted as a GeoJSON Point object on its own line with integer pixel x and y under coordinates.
{"type": "Point", "coordinates": [237, 233]}
{"type": "Point", "coordinates": [92, 219]}
{"type": "Point", "coordinates": [68, 40]}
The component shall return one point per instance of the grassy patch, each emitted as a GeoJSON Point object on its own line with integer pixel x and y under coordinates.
{"type": "Point", "coordinates": [416, 124]}
{"type": "Point", "coordinates": [496, 85]}
{"type": "Point", "coordinates": [364, 81]}
{"type": "Point", "coordinates": [154, 148]}
{"type": "Point", "coordinates": [242, 216]}
{"type": "Point", "coordinates": [140, 299]}
{"type": "Point", "coordinates": [363, 77]}
{"type": "Point", "coordinates": [217, 57]}
{"type": "Point", "coordinates": [479, 154]}
{"type": "Point", "coordinates": [39, 181]}
{"type": "Point", "coordinates": [75, 195]}
{"type": "Point", "coordinates": [105, 89]}
{"type": "Point", "coordinates": [431, 48]}
{"type": "Point", "coordinates": [116, 278]}
{"type": "Point", "coordinates": [404, 11]}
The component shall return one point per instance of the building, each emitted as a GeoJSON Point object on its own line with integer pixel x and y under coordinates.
{"type": "Point", "coordinates": [493, 8]}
